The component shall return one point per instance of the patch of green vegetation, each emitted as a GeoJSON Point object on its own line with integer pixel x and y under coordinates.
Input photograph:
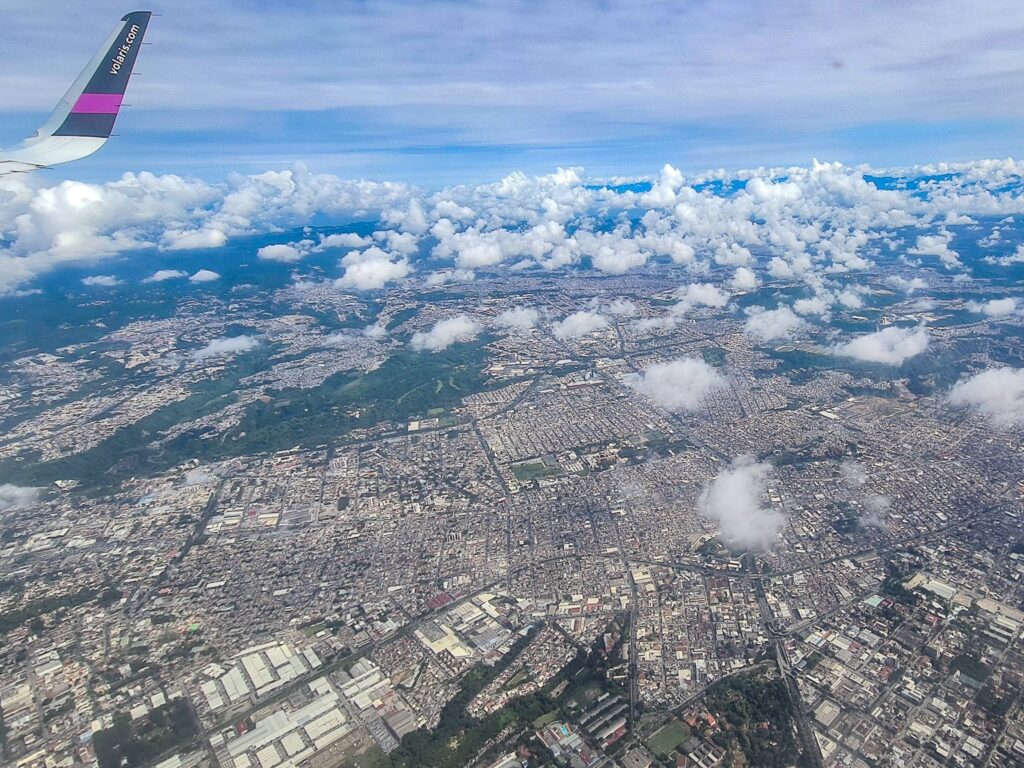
{"type": "Point", "coordinates": [127, 450]}
{"type": "Point", "coordinates": [713, 356]}
{"type": "Point", "coordinates": [138, 742]}
{"type": "Point", "coordinates": [459, 737]}
{"type": "Point", "coordinates": [661, 445]}
{"type": "Point", "coordinates": [545, 719]}
{"type": "Point", "coordinates": [757, 712]}
{"type": "Point", "coordinates": [401, 316]}
{"type": "Point", "coordinates": [371, 757]}
{"type": "Point", "coordinates": [713, 547]}
{"type": "Point", "coordinates": [971, 666]}
{"type": "Point", "coordinates": [845, 525]}
{"type": "Point", "coordinates": [587, 694]}
{"type": "Point", "coordinates": [668, 739]}
{"type": "Point", "coordinates": [34, 610]}
{"type": "Point", "coordinates": [517, 679]}
{"type": "Point", "coordinates": [393, 392]}
{"type": "Point", "coordinates": [535, 471]}
{"type": "Point", "coordinates": [893, 587]}
{"type": "Point", "coordinates": [997, 701]}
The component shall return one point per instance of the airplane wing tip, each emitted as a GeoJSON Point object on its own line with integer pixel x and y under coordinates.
{"type": "Point", "coordinates": [84, 119]}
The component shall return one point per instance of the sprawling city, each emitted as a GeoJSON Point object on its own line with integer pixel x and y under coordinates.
{"type": "Point", "coordinates": [543, 472]}
{"type": "Point", "coordinates": [512, 384]}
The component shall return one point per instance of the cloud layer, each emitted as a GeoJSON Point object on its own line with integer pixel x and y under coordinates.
{"type": "Point", "coordinates": [74, 223]}
{"type": "Point", "coordinates": [818, 226]}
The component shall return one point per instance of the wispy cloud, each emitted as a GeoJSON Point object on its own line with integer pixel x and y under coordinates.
{"type": "Point", "coordinates": [14, 497]}
{"type": "Point", "coordinates": [103, 281]}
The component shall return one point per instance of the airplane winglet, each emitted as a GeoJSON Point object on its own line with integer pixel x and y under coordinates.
{"type": "Point", "coordinates": [84, 118]}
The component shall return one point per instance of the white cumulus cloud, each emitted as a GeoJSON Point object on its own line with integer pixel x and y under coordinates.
{"type": "Point", "coordinates": [1017, 257]}
{"type": "Point", "coordinates": [342, 240]}
{"type": "Point", "coordinates": [678, 385]}
{"type": "Point", "coordinates": [231, 345]}
{"type": "Point", "coordinates": [194, 240]}
{"type": "Point", "coordinates": [703, 295]}
{"type": "Point", "coordinates": [446, 276]}
{"type": "Point", "coordinates": [997, 393]}
{"type": "Point", "coordinates": [905, 285]}
{"type": "Point", "coordinates": [743, 279]}
{"type": "Point", "coordinates": [204, 276]}
{"type": "Point", "coordinates": [853, 473]}
{"type": "Point", "coordinates": [165, 274]}
{"type": "Point", "coordinates": [445, 333]}
{"type": "Point", "coordinates": [937, 246]}
{"type": "Point", "coordinates": [518, 318]}
{"type": "Point", "coordinates": [772, 324]}
{"type": "Point", "coordinates": [284, 252]}
{"type": "Point", "coordinates": [850, 299]}
{"type": "Point", "coordinates": [375, 331]}
{"type": "Point", "coordinates": [890, 346]}
{"type": "Point", "coordinates": [733, 500]}
{"type": "Point", "coordinates": [815, 305]}
{"type": "Point", "coordinates": [371, 269]}
{"type": "Point", "coordinates": [994, 307]}
{"type": "Point", "coordinates": [578, 324]}
{"type": "Point", "coordinates": [622, 308]}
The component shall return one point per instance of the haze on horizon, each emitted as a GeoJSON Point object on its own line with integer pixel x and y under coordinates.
{"type": "Point", "coordinates": [438, 93]}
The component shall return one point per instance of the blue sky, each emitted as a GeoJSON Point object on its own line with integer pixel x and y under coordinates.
{"type": "Point", "coordinates": [437, 93]}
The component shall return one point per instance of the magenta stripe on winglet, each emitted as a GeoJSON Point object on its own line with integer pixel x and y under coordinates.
{"type": "Point", "coordinates": [97, 103]}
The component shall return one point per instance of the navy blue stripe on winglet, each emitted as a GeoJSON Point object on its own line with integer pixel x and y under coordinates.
{"type": "Point", "coordinates": [116, 67]}
{"type": "Point", "coordinates": [87, 124]}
